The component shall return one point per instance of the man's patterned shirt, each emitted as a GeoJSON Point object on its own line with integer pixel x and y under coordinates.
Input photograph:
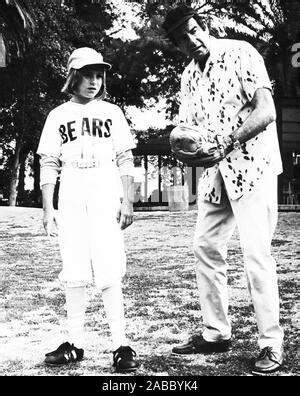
{"type": "Point", "coordinates": [219, 99]}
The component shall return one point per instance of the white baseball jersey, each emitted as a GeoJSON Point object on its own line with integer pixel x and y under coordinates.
{"type": "Point", "coordinates": [96, 130]}
{"type": "Point", "coordinates": [91, 241]}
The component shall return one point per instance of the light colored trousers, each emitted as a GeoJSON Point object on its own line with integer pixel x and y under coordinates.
{"type": "Point", "coordinates": [255, 215]}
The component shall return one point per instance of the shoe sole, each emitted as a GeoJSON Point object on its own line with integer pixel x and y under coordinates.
{"type": "Point", "coordinates": [265, 373]}
{"type": "Point", "coordinates": [125, 371]}
{"type": "Point", "coordinates": [198, 353]}
{"type": "Point", "coordinates": [184, 354]}
{"type": "Point", "coordinates": [63, 364]}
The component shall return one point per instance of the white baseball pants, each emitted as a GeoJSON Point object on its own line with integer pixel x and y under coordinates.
{"type": "Point", "coordinates": [255, 215]}
{"type": "Point", "coordinates": [91, 241]}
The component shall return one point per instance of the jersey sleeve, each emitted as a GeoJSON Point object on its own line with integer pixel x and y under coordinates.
{"type": "Point", "coordinates": [125, 163]}
{"type": "Point", "coordinates": [49, 169]}
{"type": "Point", "coordinates": [123, 139]}
{"type": "Point", "coordinates": [253, 71]}
{"type": "Point", "coordinates": [50, 140]}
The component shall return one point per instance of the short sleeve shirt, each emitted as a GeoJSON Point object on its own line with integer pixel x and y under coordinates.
{"type": "Point", "coordinates": [97, 130]}
{"type": "Point", "coordinates": [219, 99]}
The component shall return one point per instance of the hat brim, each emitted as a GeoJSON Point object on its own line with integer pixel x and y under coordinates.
{"type": "Point", "coordinates": [106, 65]}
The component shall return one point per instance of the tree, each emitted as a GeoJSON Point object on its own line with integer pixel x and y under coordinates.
{"type": "Point", "coordinates": [16, 25]}
{"type": "Point", "coordinates": [145, 66]}
{"type": "Point", "coordinates": [154, 67]}
{"type": "Point", "coordinates": [31, 85]}
{"type": "Point", "coordinates": [22, 100]}
{"type": "Point", "coordinates": [17, 28]}
{"type": "Point", "coordinates": [272, 26]}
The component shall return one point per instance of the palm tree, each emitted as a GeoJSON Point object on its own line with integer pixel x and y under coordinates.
{"type": "Point", "coordinates": [270, 25]}
{"type": "Point", "coordinates": [16, 26]}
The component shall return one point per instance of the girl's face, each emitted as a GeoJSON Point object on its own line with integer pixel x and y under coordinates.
{"type": "Point", "coordinates": [90, 85]}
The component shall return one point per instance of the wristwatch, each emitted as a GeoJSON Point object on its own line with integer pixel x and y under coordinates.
{"type": "Point", "coordinates": [236, 145]}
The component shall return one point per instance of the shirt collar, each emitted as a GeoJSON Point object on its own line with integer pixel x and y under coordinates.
{"type": "Point", "coordinates": [214, 56]}
{"type": "Point", "coordinates": [215, 50]}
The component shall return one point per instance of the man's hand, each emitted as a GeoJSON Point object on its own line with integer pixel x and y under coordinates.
{"type": "Point", "coordinates": [196, 147]}
{"type": "Point", "coordinates": [125, 214]}
{"type": "Point", "coordinates": [49, 223]}
{"type": "Point", "coordinates": [224, 147]}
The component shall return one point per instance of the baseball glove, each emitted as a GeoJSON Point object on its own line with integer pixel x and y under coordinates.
{"type": "Point", "coordinates": [196, 147]}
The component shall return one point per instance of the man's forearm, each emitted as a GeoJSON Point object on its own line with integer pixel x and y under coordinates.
{"type": "Point", "coordinates": [254, 124]}
{"type": "Point", "coordinates": [128, 188]}
{"type": "Point", "coordinates": [262, 115]}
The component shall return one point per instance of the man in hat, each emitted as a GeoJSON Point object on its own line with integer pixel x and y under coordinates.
{"type": "Point", "coordinates": [225, 89]}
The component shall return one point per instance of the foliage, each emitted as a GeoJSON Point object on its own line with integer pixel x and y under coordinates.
{"type": "Point", "coordinates": [145, 136]}
{"type": "Point", "coordinates": [271, 26]}
{"type": "Point", "coordinates": [31, 85]}
{"type": "Point", "coordinates": [16, 24]}
{"type": "Point", "coordinates": [145, 66]}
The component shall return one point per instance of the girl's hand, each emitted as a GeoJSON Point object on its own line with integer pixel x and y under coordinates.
{"type": "Point", "coordinates": [49, 223]}
{"type": "Point", "coordinates": [125, 214]}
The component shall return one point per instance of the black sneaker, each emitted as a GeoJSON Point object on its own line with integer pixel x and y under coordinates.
{"type": "Point", "coordinates": [123, 360]}
{"type": "Point", "coordinates": [197, 344]}
{"type": "Point", "coordinates": [267, 362]}
{"type": "Point", "coordinates": [66, 353]}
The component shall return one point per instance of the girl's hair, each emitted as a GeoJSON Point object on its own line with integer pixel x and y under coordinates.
{"type": "Point", "coordinates": [74, 79]}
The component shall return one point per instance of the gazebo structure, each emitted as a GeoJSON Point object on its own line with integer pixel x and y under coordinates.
{"type": "Point", "coordinates": [158, 176]}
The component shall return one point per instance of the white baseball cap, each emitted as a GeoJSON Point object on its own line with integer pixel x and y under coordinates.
{"type": "Point", "coordinates": [86, 56]}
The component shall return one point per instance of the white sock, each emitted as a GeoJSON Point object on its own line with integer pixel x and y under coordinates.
{"type": "Point", "coordinates": [114, 308]}
{"type": "Point", "coordinates": [76, 306]}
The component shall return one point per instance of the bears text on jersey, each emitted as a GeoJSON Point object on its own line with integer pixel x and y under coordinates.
{"type": "Point", "coordinates": [89, 127]}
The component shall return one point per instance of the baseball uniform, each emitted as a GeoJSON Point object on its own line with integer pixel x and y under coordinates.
{"type": "Point", "coordinates": [86, 139]}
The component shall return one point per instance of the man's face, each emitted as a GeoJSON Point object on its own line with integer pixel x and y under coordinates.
{"type": "Point", "coordinates": [192, 40]}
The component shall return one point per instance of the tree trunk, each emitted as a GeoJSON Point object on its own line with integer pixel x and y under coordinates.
{"type": "Point", "coordinates": [36, 175]}
{"type": "Point", "coordinates": [21, 183]}
{"type": "Point", "coordinates": [13, 185]}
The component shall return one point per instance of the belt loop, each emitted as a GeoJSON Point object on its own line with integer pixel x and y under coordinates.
{"type": "Point", "coordinates": [82, 164]}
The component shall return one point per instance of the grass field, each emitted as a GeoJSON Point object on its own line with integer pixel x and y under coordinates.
{"type": "Point", "coordinates": [161, 299]}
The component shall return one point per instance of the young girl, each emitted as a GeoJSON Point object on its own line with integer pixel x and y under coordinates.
{"type": "Point", "coordinates": [89, 139]}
